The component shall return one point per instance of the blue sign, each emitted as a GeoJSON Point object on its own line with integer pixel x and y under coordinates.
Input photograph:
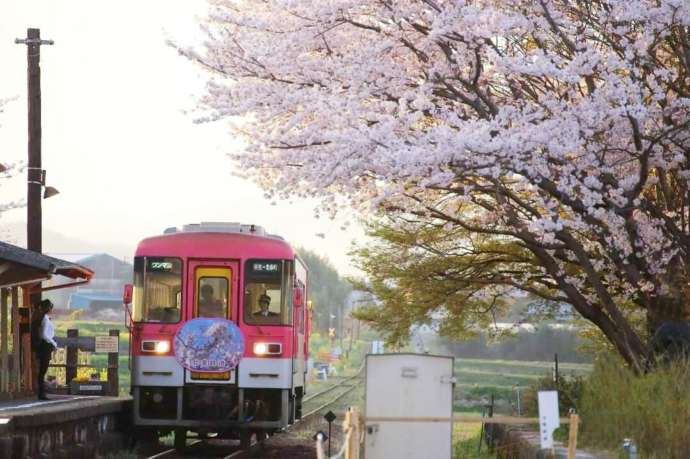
{"type": "Point", "coordinates": [209, 345]}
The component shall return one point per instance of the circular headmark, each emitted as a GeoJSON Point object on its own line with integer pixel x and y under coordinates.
{"type": "Point", "coordinates": [209, 345]}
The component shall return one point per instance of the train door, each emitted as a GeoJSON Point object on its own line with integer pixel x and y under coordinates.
{"type": "Point", "coordinates": [299, 330]}
{"type": "Point", "coordinates": [298, 334]}
{"type": "Point", "coordinates": [298, 356]}
{"type": "Point", "coordinates": [212, 293]}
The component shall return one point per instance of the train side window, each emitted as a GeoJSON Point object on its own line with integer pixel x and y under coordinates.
{"type": "Point", "coordinates": [212, 300]}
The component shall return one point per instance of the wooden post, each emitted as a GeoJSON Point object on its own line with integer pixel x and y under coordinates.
{"type": "Point", "coordinates": [33, 207]}
{"type": "Point", "coordinates": [113, 363]}
{"type": "Point", "coordinates": [16, 356]}
{"type": "Point", "coordinates": [4, 341]}
{"type": "Point", "coordinates": [356, 433]}
{"type": "Point", "coordinates": [29, 383]}
{"type": "Point", "coordinates": [347, 427]}
{"type": "Point", "coordinates": [353, 433]}
{"type": "Point", "coordinates": [35, 173]}
{"type": "Point", "coordinates": [572, 439]}
{"type": "Point", "coordinates": [71, 355]}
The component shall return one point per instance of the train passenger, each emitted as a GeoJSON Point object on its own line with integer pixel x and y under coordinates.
{"type": "Point", "coordinates": [209, 305]}
{"type": "Point", "coordinates": [264, 303]}
{"type": "Point", "coordinates": [45, 344]}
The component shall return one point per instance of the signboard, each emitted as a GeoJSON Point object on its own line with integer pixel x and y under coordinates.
{"type": "Point", "coordinates": [548, 417]}
{"type": "Point", "coordinates": [107, 344]}
{"type": "Point", "coordinates": [209, 345]}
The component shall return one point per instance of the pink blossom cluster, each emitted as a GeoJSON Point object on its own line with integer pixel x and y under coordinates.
{"type": "Point", "coordinates": [562, 125]}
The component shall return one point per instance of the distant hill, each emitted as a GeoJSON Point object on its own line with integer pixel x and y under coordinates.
{"type": "Point", "coordinates": [54, 242]}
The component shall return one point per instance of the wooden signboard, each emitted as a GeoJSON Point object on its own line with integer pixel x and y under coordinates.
{"type": "Point", "coordinates": [106, 344]}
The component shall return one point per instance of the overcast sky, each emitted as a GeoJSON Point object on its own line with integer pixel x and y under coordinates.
{"type": "Point", "coordinates": [117, 143]}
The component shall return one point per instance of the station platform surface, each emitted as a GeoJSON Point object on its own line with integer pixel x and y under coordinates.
{"type": "Point", "coordinates": [31, 412]}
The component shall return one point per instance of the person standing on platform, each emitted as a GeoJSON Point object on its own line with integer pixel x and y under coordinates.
{"type": "Point", "coordinates": [43, 343]}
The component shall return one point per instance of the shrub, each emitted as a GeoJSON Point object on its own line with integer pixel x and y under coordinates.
{"type": "Point", "coordinates": [652, 409]}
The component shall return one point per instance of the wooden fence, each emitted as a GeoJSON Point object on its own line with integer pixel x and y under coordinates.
{"type": "Point", "coordinates": [353, 428]}
{"type": "Point", "coordinates": [74, 343]}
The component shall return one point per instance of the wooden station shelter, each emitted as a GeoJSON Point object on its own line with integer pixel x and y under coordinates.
{"type": "Point", "coordinates": [21, 274]}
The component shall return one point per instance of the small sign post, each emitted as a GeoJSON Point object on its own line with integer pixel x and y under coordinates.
{"type": "Point", "coordinates": [329, 417]}
{"type": "Point", "coordinates": [548, 417]}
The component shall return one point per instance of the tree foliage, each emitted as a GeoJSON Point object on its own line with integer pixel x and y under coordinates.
{"type": "Point", "coordinates": [425, 274]}
{"type": "Point", "coordinates": [556, 128]}
{"type": "Point", "coordinates": [422, 273]}
{"type": "Point", "coordinates": [328, 291]}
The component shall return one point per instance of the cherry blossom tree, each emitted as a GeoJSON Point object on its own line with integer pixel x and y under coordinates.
{"type": "Point", "coordinates": [560, 126]}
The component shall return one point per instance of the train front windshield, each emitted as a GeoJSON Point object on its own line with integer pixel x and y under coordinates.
{"type": "Point", "coordinates": [266, 292]}
{"type": "Point", "coordinates": [157, 289]}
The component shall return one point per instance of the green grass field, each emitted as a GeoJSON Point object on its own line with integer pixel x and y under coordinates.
{"type": "Point", "coordinates": [478, 379]}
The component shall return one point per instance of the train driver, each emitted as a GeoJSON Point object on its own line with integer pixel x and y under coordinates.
{"type": "Point", "coordinates": [209, 306]}
{"type": "Point", "coordinates": [264, 303]}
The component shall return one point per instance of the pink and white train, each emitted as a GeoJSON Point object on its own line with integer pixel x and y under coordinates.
{"type": "Point", "coordinates": [224, 272]}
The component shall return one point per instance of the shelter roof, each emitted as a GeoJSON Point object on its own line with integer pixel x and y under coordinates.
{"type": "Point", "coordinates": [22, 266]}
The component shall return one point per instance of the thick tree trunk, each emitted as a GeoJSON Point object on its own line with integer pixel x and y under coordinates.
{"type": "Point", "coordinates": [674, 304]}
{"type": "Point", "coordinates": [622, 336]}
{"type": "Point", "coordinates": [665, 309]}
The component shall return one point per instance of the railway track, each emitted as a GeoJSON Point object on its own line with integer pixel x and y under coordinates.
{"type": "Point", "coordinates": [230, 449]}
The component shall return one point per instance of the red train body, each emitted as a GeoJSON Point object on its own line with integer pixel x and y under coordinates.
{"type": "Point", "coordinates": [221, 271]}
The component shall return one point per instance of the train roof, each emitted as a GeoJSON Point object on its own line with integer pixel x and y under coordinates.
{"type": "Point", "coordinates": [215, 244]}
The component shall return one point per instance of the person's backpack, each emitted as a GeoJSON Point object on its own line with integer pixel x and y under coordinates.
{"type": "Point", "coordinates": [36, 331]}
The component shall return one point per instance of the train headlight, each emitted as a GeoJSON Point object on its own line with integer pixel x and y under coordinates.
{"type": "Point", "coordinates": [267, 349]}
{"type": "Point", "coordinates": [156, 346]}
{"type": "Point", "coordinates": [260, 348]}
{"type": "Point", "coordinates": [162, 347]}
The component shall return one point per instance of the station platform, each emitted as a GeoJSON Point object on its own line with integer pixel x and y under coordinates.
{"type": "Point", "coordinates": [64, 426]}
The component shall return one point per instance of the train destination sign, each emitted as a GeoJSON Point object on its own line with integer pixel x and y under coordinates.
{"type": "Point", "coordinates": [209, 345]}
{"type": "Point", "coordinates": [265, 267]}
{"type": "Point", "coordinates": [163, 265]}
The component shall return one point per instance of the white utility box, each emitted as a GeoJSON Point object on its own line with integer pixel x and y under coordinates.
{"type": "Point", "coordinates": [409, 406]}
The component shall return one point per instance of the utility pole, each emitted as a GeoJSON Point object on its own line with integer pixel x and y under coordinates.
{"type": "Point", "coordinates": [36, 174]}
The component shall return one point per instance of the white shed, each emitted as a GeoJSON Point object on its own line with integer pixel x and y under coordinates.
{"type": "Point", "coordinates": [409, 406]}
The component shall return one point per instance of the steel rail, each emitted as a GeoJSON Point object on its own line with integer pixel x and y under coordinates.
{"type": "Point", "coordinates": [330, 388]}
{"type": "Point", "coordinates": [349, 388]}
